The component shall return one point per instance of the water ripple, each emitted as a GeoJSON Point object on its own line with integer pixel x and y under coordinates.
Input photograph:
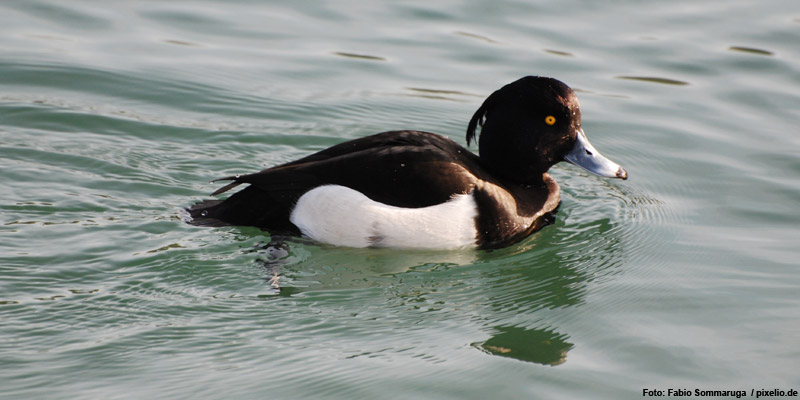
{"type": "Point", "coordinates": [114, 118]}
{"type": "Point", "coordinates": [655, 79]}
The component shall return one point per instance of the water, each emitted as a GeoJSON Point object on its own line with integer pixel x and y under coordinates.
{"type": "Point", "coordinates": [114, 118]}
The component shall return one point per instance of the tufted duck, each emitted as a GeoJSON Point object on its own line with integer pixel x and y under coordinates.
{"type": "Point", "coordinates": [423, 190]}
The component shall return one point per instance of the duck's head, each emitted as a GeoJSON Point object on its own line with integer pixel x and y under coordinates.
{"type": "Point", "coordinates": [531, 124]}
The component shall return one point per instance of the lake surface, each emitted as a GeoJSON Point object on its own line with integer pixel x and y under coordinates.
{"type": "Point", "coordinates": [113, 118]}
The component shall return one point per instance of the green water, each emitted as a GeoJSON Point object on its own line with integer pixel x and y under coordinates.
{"type": "Point", "coordinates": [115, 117]}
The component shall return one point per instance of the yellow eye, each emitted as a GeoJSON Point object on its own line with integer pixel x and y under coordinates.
{"type": "Point", "coordinates": [549, 120]}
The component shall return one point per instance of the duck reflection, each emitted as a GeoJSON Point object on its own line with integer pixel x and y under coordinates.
{"type": "Point", "coordinates": [541, 346]}
{"type": "Point", "coordinates": [514, 296]}
{"type": "Point", "coordinates": [326, 266]}
{"type": "Point", "coordinates": [553, 272]}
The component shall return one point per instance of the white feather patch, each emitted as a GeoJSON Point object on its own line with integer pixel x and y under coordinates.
{"type": "Point", "coordinates": [344, 217]}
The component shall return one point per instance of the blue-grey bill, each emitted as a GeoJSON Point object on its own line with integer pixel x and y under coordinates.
{"type": "Point", "coordinates": [587, 157]}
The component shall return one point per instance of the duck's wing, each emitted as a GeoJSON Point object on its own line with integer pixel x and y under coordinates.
{"type": "Point", "coordinates": [400, 168]}
{"type": "Point", "coordinates": [372, 142]}
{"type": "Point", "coordinates": [378, 141]}
{"type": "Point", "coordinates": [396, 168]}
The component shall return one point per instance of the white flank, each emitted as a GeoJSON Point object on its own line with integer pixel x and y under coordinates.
{"type": "Point", "coordinates": [344, 217]}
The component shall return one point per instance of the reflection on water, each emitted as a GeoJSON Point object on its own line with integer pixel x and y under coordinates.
{"type": "Point", "coordinates": [514, 294]}
{"type": "Point", "coordinates": [298, 262]}
{"type": "Point", "coordinates": [541, 346]}
{"type": "Point", "coordinates": [553, 273]}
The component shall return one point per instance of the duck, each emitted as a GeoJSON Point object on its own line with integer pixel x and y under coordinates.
{"type": "Point", "coordinates": [414, 189]}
